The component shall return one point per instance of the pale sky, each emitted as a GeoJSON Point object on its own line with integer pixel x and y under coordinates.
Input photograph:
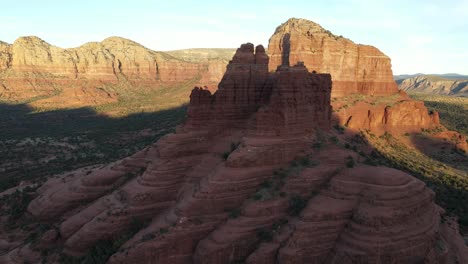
{"type": "Point", "coordinates": [425, 36]}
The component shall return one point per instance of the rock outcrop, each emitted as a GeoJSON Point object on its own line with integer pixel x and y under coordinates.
{"type": "Point", "coordinates": [354, 68]}
{"type": "Point", "coordinates": [244, 180]}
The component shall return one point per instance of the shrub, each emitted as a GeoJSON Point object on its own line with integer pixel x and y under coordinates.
{"type": "Point", "coordinates": [234, 213]}
{"type": "Point", "coordinates": [339, 128]}
{"type": "Point", "coordinates": [334, 139]}
{"type": "Point", "coordinates": [266, 184]}
{"type": "Point", "coordinates": [317, 145]}
{"type": "Point", "coordinates": [264, 235]}
{"type": "Point", "coordinates": [257, 196]}
{"type": "Point", "coordinates": [350, 162]}
{"type": "Point", "coordinates": [226, 155]}
{"type": "Point", "coordinates": [296, 205]}
{"type": "Point", "coordinates": [148, 236]}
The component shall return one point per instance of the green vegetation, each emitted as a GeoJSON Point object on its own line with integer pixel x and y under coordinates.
{"type": "Point", "coordinates": [234, 213]}
{"type": "Point", "coordinates": [317, 145]}
{"type": "Point", "coordinates": [296, 205]}
{"type": "Point", "coordinates": [350, 162]}
{"type": "Point", "coordinates": [270, 189]}
{"type": "Point", "coordinates": [453, 111]}
{"type": "Point", "coordinates": [334, 139]}
{"type": "Point", "coordinates": [38, 142]}
{"type": "Point", "coordinates": [14, 206]}
{"type": "Point", "coordinates": [339, 128]}
{"type": "Point", "coordinates": [351, 100]}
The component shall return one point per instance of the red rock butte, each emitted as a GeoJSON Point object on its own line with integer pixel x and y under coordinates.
{"type": "Point", "coordinates": [241, 181]}
{"type": "Point", "coordinates": [354, 68]}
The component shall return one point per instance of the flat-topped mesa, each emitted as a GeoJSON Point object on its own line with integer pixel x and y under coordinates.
{"type": "Point", "coordinates": [290, 101]}
{"type": "Point", "coordinates": [354, 68]}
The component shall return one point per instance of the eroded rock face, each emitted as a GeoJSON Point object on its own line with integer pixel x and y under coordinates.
{"type": "Point", "coordinates": [354, 68]}
{"type": "Point", "coordinates": [31, 67]}
{"type": "Point", "coordinates": [367, 215]}
{"type": "Point", "coordinates": [289, 101]}
{"type": "Point", "coordinates": [222, 189]}
{"type": "Point", "coordinates": [398, 116]}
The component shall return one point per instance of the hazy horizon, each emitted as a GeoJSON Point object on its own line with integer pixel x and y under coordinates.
{"type": "Point", "coordinates": [420, 37]}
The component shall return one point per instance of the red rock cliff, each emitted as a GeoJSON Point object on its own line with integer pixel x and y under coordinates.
{"type": "Point", "coordinates": [354, 68]}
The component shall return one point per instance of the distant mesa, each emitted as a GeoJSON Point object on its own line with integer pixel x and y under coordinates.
{"type": "Point", "coordinates": [434, 84]}
{"type": "Point", "coordinates": [31, 67]}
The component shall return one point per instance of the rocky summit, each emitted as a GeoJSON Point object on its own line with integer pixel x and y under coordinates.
{"type": "Point", "coordinates": [354, 68]}
{"type": "Point", "coordinates": [254, 175]}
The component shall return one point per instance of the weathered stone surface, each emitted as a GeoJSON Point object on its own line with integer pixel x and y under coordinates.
{"type": "Point", "coordinates": [401, 116]}
{"type": "Point", "coordinates": [354, 68]}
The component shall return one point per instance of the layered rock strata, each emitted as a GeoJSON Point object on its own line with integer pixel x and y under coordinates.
{"type": "Point", "coordinates": [354, 68]}
{"type": "Point", "coordinates": [32, 67]}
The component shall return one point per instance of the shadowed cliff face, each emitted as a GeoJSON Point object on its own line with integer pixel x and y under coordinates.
{"type": "Point", "coordinates": [255, 175]}
{"type": "Point", "coordinates": [286, 49]}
